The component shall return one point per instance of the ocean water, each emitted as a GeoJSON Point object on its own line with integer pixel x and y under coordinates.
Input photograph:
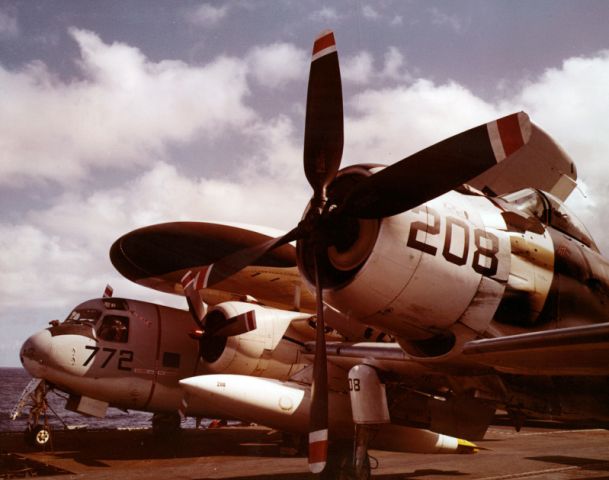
{"type": "Point", "coordinates": [14, 380]}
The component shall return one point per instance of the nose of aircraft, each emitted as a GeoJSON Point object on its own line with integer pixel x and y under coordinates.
{"type": "Point", "coordinates": [36, 353]}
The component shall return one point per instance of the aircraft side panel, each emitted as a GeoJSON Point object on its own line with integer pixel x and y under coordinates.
{"type": "Point", "coordinates": [583, 283]}
{"type": "Point", "coordinates": [176, 357]}
{"type": "Point", "coordinates": [132, 385]}
{"type": "Point", "coordinates": [479, 313]}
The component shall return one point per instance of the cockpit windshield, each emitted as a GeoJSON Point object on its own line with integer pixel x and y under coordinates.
{"type": "Point", "coordinates": [551, 211]}
{"type": "Point", "coordinates": [84, 316]}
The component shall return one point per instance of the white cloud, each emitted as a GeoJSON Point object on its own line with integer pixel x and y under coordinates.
{"type": "Point", "coordinates": [571, 104]}
{"type": "Point", "coordinates": [392, 123]}
{"type": "Point", "coordinates": [370, 13]}
{"type": "Point", "coordinates": [276, 64]}
{"type": "Point", "coordinates": [324, 14]}
{"type": "Point", "coordinates": [443, 19]}
{"type": "Point", "coordinates": [397, 21]}
{"type": "Point", "coordinates": [207, 15]}
{"type": "Point", "coordinates": [125, 111]}
{"type": "Point", "coordinates": [9, 28]}
{"type": "Point", "coordinates": [360, 68]}
{"type": "Point", "coordinates": [61, 252]}
{"type": "Point", "coordinates": [394, 65]}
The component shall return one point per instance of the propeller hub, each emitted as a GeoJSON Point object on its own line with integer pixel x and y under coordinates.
{"type": "Point", "coordinates": [341, 242]}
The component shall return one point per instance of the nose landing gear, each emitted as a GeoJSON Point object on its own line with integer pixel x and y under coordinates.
{"type": "Point", "coordinates": [38, 431]}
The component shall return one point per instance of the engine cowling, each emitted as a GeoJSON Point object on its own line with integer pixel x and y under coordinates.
{"type": "Point", "coordinates": [423, 275]}
{"type": "Point", "coordinates": [257, 352]}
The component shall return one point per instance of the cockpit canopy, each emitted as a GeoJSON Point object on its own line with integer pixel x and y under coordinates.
{"type": "Point", "coordinates": [113, 326]}
{"type": "Point", "coordinates": [550, 211]}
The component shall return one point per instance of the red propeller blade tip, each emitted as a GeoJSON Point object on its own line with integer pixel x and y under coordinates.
{"type": "Point", "coordinates": [324, 45]}
{"type": "Point", "coordinates": [508, 134]}
{"type": "Point", "coordinates": [318, 450]}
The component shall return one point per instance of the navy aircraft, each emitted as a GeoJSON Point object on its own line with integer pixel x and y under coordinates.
{"type": "Point", "coordinates": [137, 355]}
{"type": "Point", "coordinates": [463, 253]}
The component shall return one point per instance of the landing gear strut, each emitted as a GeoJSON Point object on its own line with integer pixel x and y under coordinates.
{"type": "Point", "coordinates": [340, 464]}
{"type": "Point", "coordinates": [38, 431]}
{"type": "Point", "coordinates": [370, 412]}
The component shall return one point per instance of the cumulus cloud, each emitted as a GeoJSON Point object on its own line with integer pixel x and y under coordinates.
{"type": "Point", "coordinates": [443, 19]}
{"type": "Point", "coordinates": [324, 14]}
{"type": "Point", "coordinates": [570, 103]}
{"type": "Point", "coordinates": [124, 111]}
{"type": "Point", "coordinates": [370, 13]}
{"type": "Point", "coordinates": [62, 251]}
{"type": "Point", "coordinates": [361, 69]}
{"type": "Point", "coordinates": [9, 28]}
{"type": "Point", "coordinates": [276, 64]}
{"type": "Point", "coordinates": [390, 123]}
{"type": "Point", "coordinates": [207, 15]}
{"type": "Point", "coordinates": [358, 68]}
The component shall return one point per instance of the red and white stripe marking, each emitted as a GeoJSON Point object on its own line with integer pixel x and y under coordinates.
{"type": "Point", "coordinates": [249, 319]}
{"type": "Point", "coordinates": [508, 134]}
{"type": "Point", "coordinates": [324, 45]}
{"type": "Point", "coordinates": [196, 281]}
{"type": "Point", "coordinates": [187, 280]}
{"type": "Point", "coordinates": [108, 291]}
{"type": "Point", "coordinates": [318, 450]}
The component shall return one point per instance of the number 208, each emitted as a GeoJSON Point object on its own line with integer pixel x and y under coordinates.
{"type": "Point", "coordinates": [432, 228]}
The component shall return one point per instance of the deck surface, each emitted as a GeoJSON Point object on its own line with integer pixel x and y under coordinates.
{"type": "Point", "coordinates": [253, 453]}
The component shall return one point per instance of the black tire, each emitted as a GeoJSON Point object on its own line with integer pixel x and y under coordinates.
{"type": "Point", "coordinates": [340, 463]}
{"type": "Point", "coordinates": [38, 436]}
{"type": "Point", "coordinates": [166, 425]}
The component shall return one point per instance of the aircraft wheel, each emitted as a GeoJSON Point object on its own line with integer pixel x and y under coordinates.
{"type": "Point", "coordinates": [38, 436]}
{"type": "Point", "coordinates": [166, 424]}
{"type": "Point", "coordinates": [340, 464]}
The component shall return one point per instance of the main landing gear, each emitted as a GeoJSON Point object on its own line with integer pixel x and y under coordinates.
{"type": "Point", "coordinates": [370, 412]}
{"type": "Point", "coordinates": [38, 432]}
{"type": "Point", "coordinates": [166, 425]}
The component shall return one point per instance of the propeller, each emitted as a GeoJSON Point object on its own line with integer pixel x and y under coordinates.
{"type": "Point", "coordinates": [192, 283]}
{"type": "Point", "coordinates": [437, 169]}
{"type": "Point", "coordinates": [410, 182]}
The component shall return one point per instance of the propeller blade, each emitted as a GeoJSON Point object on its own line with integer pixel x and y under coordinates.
{"type": "Point", "coordinates": [231, 264]}
{"type": "Point", "coordinates": [438, 169]}
{"type": "Point", "coordinates": [237, 325]}
{"type": "Point", "coordinates": [323, 140]}
{"type": "Point", "coordinates": [193, 282]}
{"type": "Point", "coordinates": [318, 427]}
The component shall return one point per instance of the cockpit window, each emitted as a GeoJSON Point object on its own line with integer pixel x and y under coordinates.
{"type": "Point", "coordinates": [115, 304]}
{"type": "Point", "coordinates": [563, 219]}
{"type": "Point", "coordinates": [528, 201]}
{"type": "Point", "coordinates": [114, 328]}
{"type": "Point", "coordinates": [551, 211]}
{"type": "Point", "coordinates": [84, 316]}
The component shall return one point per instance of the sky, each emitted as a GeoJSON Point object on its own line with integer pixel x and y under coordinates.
{"type": "Point", "coordinates": [115, 115]}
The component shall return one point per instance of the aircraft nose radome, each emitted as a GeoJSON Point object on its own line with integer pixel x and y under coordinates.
{"type": "Point", "coordinates": [36, 352]}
